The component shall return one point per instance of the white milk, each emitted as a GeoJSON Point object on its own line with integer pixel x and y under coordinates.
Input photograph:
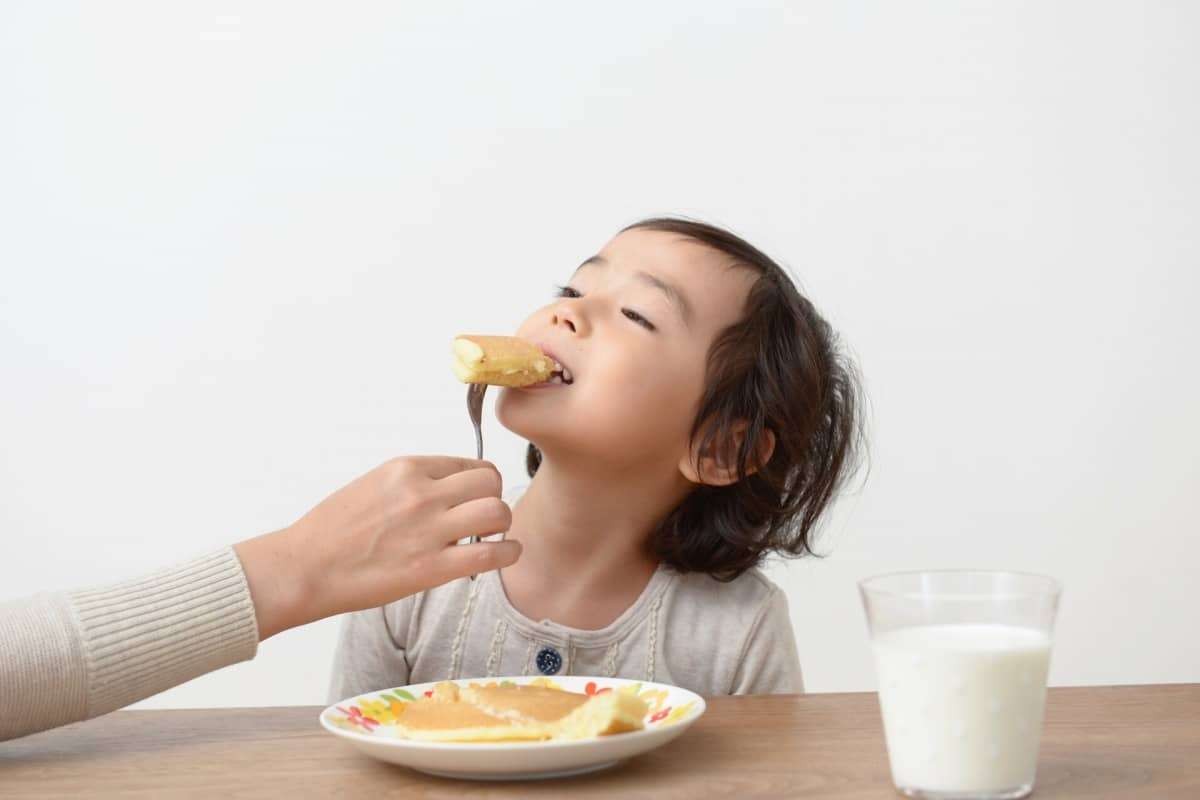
{"type": "Point", "coordinates": [962, 704]}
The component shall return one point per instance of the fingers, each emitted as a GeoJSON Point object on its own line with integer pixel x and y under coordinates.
{"type": "Point", "coordinates": [470, 484]}
{"type": "Point", "coordinates": [474, 559]}
{"type": "Point", "coordinates": [438, 467]}
{"type": "Point", "coordinates": [480, 517]}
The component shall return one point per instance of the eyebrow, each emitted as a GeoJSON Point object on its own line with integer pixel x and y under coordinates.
{"type": "Point", "coordinates": [677, 298]}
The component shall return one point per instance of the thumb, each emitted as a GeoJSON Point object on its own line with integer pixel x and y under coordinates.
{"type": "Point", "coordinates": [459, 561]}
{"type": "Point", "coordinates": [438, 467]}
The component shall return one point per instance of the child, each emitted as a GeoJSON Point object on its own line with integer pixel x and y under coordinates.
{"type": "Point", "coordinates": [705, 422]}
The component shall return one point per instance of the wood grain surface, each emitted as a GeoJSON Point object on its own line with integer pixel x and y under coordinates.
{"type": "Point", "coordinates": [1118, 742]}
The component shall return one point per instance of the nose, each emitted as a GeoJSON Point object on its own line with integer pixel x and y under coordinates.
{"type": "Point", "coordinates": [568, 315]}
{"type": "Point", "coordinates": [560, 318]}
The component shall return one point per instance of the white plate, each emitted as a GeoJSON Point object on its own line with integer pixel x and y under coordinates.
{"type": "Point", "coordinates": [367, 721]}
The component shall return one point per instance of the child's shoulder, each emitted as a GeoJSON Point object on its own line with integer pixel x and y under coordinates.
{"type": "Point", "coordinates": [736, 603]}
{"type": "Point", "coordinates": [711, 625]}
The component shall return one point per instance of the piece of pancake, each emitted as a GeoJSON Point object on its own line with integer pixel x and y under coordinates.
{"type": "Point", "coordinates": [603, 715]}
{"type": "Point", "coordinates": [500, 361]}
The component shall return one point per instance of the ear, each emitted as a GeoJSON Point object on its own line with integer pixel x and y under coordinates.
{"type": "Point", "coordinates": [710, 468]}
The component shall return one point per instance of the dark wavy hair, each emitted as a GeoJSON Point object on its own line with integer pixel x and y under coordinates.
{"type": "Point", "coordinates": [778, 369]}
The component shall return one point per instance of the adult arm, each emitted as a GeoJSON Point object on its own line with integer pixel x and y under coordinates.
{"type": "Point", "coordinates": [70, 656]}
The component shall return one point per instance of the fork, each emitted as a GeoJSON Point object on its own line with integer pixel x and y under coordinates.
{"type": "Point", "coordinates": [475, 392]}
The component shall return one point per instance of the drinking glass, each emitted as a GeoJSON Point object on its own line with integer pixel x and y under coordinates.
{"type": "Point", "coordinates": [961, 657]}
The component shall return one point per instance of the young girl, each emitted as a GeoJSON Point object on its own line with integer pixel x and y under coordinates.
{"type": "Point", "coordinates": [706, 422]}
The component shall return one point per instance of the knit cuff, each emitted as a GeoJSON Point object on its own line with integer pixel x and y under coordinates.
{"type": "Point", "coordinates": [147, 635]}
{"type": "Point", "coordinates": [41, 666]}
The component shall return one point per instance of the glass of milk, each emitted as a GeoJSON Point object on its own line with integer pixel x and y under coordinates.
{"type": "Point", "coordinates": [961, 657]}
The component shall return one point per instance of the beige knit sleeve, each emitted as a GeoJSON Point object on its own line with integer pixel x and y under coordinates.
{"type": "Point", "coordinates": [65, 657]}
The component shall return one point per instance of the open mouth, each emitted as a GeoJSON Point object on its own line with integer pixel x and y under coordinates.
{"type": "Point", "coordinates": [561, 375]}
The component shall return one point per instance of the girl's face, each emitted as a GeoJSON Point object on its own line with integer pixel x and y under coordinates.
{"type": "Point", "coordinates": [633, 327]}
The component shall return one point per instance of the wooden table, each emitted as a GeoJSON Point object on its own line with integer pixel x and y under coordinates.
{"type": "Point", "coordinates": [1127, 742]}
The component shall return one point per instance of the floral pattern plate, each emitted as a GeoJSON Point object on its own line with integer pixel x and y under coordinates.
{"type": "Point", "coordinates": [367, 722]}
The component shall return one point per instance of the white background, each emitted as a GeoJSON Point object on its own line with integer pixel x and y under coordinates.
{"type": "Point", "coordinates": [236, 240]}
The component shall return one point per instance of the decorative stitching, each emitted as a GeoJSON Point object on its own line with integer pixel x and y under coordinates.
{"type": "Point", "coordinates": [460, 634]}
{"type": "Point", "coordinates": [610, 659]}
{"type": "Point", "coordinates": [528, 659]}
{"type": "Point", "coordinates": [494, 652]}
{"type": "Point", "coordinates": [653, 644]}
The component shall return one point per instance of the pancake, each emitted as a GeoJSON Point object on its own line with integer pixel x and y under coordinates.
{"type": "Point", "coordinates": [524, 703]}
{"type": "Point", "coordinates": [499, 713]}
{"type": "Point", "coordinates": [603, 715]}
{"type": "Point", "coordinates": [446, 718]}
{"type": "Point", "coordinates": [500, 361]}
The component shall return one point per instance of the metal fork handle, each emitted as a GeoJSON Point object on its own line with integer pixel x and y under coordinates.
{"type": "Point", "coordinates": [475, 392]}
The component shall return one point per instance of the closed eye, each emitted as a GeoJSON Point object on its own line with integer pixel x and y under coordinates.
{"type": "Point", "coordinates": [638, 318]}
{"type": "Point", "coordinates": [629, 313]}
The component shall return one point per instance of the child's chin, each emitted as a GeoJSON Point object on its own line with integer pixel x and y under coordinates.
{"type": "Point", "coordinates": [553, 429]}
{"type": "Point", "coordinates": [515, 414]}
{"type": "Point", "coordinates": [539, 428]}
{"type": "Point", "coordinates": [533, 432]}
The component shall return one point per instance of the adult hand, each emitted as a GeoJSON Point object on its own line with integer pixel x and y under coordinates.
{"type": "Point", "coordinates": [386, 535]}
